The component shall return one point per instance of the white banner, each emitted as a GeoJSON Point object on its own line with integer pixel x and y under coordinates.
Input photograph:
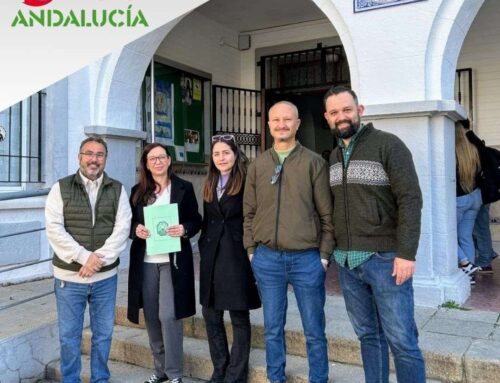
{"type": "Point", "coordinates": [43, 41]}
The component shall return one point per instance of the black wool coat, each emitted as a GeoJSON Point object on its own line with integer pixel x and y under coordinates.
{"type": "Point", "coordinates": [226, 277]}
{"type": "Point", "coordinates": [182, 193]}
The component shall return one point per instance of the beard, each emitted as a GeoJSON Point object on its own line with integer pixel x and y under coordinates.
{"type": "Point", "coordinates": [347, 132]}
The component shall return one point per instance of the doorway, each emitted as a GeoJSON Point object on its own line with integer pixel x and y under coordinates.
{"type": "Point", "coordinates": [313, 132]}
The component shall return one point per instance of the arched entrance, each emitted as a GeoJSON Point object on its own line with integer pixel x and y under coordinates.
{"type": "Point", "coordinates": [402, 62]}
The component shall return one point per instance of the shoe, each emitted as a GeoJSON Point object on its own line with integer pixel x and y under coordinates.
{"type": "Point", "coordinates": [469, 268]}
{"type": "Point", "coordinates": [176, 380]}
{"type": "Point", "coordinates": [154, 379]}
{"type": "Point", "coordinates": [472, 280]}
{"type": "Point", "coordinates": [485, 270]}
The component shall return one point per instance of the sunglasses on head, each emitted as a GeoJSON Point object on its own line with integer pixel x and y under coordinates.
{"type": "Point", "coordinates": [223, 138]}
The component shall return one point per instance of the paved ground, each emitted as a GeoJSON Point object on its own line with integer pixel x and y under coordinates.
{"type": "Point", "coordinates": [461, 340]}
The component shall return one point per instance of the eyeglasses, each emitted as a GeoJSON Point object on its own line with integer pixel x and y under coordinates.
{"type": "Point", "coordinates": [223, 138]}
{"type": "Point", "coordinates": [162, 158]}
{"type": "Point", "coordinates": [277, 172]}
{"type": "Point", "coordinates": [99, 155]}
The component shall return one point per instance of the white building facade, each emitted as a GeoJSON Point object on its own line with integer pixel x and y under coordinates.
{"type": "Point", "coordinates": [402, 63]}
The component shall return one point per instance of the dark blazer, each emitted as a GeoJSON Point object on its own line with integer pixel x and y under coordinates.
{"type": "Point", "coordinates": [182, 193]}
{"type": "Point", "coordinates": [489, 178]}
{"type": "Point", "coordinates": [226, 278]}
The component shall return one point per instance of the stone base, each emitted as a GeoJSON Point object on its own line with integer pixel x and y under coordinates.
{"type": "Point", "coordinates": [432, 292]}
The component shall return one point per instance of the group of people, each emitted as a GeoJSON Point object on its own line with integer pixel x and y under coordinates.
{"type": "Point", "coordinates": [266, 225]}
{"type": "Point", "coordinates": [473, 184]}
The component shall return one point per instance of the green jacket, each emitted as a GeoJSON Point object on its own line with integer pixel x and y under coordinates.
{"type": "Point", "coordinates": [78, 215]}
{"type": "Point", "coordinates": [377, 198]}
{"type": "Point", "coordinates": [295, 212]}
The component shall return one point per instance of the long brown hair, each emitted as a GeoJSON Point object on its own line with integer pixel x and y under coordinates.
{"type": "Point", "coordinates": [145, 192]}
{"type": "Point", "coordinates": [236, 177]}
{"type": "Point", "coordinates": [468, 162]}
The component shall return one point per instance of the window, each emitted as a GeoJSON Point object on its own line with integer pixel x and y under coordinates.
{"type": "Point", "coordinates": [21, 142]}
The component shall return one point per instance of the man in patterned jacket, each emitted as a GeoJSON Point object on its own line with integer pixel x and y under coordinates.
{"type": "Point", "coordinates": [377, 208]}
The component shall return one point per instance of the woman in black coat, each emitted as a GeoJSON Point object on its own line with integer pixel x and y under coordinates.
{"type": "Point", "coordinates": [163, 285]}
{"type": "Point", "coordinates": [226, 278]}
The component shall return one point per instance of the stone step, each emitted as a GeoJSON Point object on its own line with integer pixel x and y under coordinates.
{"type": "Point", "coordinates": [120, 372]}
{"type": "Point", "coordinates": [443, 361]}
{"type": "Point", "coordinates": [131, 345]}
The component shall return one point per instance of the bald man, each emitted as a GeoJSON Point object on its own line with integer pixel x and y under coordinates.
{"type": "Point", "coordinates": [288, 234]}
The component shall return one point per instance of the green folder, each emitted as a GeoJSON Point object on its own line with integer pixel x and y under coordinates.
{"type": "Point", "coordinates": [157, 219]}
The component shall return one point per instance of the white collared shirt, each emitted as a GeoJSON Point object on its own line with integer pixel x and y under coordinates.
{"type": "Point", "coordinates": [65, 246]}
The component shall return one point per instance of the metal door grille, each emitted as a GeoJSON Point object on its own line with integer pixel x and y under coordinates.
{"type": "Point", "coordinates": [309, 68]}
{"type": "Point", "coordinates": [237, 111]}
{"type": "Point", "coordinates": [463, 90]}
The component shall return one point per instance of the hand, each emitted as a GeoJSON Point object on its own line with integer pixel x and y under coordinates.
{"type": "Point", "coordinates": [325, 263]}
{"type": "Point", "coordinates": [94, 264]}
{"type": "Point", "coordinates": [142, 232]}
{"type": "Point", "coordinates": [403, 270]}
{"type": "Point", "coordinates": [176, 230]}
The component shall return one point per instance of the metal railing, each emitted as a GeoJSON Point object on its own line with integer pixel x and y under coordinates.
{"type": "Point", "coordinates": [19, 195]}
{"type": "Point", "coordinates": [237, 111]}
{"type": "Point", "coordinates": [21, 141]}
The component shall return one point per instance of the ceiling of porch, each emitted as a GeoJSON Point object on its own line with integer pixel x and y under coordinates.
{"type": "Point", "coordinates": [245, 15]}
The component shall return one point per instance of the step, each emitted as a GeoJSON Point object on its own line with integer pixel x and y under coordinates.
{"type": "Point", "coordinates": [131, 345]}
{"type": "Point", "coordinates": [120, 372]}
{"type": "Point", "coordinates": [443, 362]}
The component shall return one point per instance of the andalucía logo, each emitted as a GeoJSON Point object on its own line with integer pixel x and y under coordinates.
{"type": "Point", "coordinates": [36, 3]}
{"type": "Point", "coordinates": [85, 18]}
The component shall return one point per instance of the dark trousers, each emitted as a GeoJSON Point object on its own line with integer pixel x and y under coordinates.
{"type": "Point", "coordinates": [228, 368]}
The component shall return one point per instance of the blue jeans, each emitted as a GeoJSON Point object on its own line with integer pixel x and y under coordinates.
{"type": "Point", "coordinates": [71, 301]}
{"type": "Point", "coordinates": [381, 313]}
{"type": "Point", "coordinates": [274, 270]}
{"type": "Point", "coordinates": [467, 208]}
{"type": "Point", "coordinates": [482, 237]}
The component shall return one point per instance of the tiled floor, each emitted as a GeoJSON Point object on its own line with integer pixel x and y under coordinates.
{"type": "Point", "coordinates": [485, 294]}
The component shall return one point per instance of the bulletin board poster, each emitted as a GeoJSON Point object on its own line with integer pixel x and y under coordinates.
{"type": "Point", "coordinates": [196, 90]}
{"type": "Point", "coordinates": [164, 112]}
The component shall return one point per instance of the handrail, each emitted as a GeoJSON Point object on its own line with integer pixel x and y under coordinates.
{"type": "Point", "coordinates": [25, 265]}
{"type": "Point", "coordinates": [18, 195]}
{"type": "Point", "coordinates": [24, 194]}
{"type": "Point", "coordinates": [21, 232]}
{"type": "Point", "coordinates": [26, 300]}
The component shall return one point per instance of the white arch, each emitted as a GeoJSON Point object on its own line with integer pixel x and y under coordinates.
{"type": "Point", "coordinates": [333, 14]}
{"type": "Point", "coordinates": [118, 81]}
{"type": "Point", "coordinates": [451, 24]}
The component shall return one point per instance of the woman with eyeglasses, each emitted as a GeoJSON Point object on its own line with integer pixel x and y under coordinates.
{"type": "Point", "coordinates": [226, 278]}
{"type": "Point", "coordinates": [163, 285]}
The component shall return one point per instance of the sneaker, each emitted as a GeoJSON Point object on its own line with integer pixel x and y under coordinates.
{"type": "Point", "coordinates": [472, 280]}
{"type": "Point", "coordinates": [469, 268]}
{"type": "Point", "coordinates": [154, 379]}
{"type": "Point", "coordinates": [485, 270]}
{"type": "Point", "coordinates": [176, 380]}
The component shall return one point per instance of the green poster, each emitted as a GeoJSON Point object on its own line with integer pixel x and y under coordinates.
{"type": "Point", "coordinates": [157, 219]}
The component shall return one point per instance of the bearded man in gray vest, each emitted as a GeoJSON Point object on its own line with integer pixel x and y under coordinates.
{"type": "Point", "coordinates": [87, 219]}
